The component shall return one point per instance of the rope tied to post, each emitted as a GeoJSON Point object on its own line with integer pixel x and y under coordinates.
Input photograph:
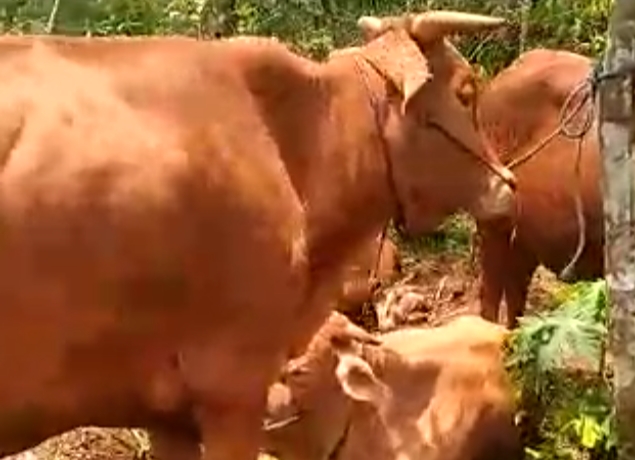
{"type": "Point", "coordinates": [599, 75]}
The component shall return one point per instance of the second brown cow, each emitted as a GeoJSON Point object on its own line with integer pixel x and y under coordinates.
{"type": "Point", "coordinates": [519, 110]}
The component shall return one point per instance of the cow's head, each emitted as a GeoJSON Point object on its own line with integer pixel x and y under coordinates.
{"type": "Point", "coordinates": [439, 160]}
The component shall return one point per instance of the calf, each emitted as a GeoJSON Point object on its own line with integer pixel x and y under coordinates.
{"type": "Point", "coordinates": [429, 394]}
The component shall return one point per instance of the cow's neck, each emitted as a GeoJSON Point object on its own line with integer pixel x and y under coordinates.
{"type": "Point", "coordinates": [346, 189]}
{"type": "Point", "coordinates": [321, 118]}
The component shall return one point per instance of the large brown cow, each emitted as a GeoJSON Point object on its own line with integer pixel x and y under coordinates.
{"type": "Point", "coordinates": [175, 214]}
{"type": "Point", "coordinates": [518, 110]}
{"type": "Point", "coordinates": [428, 394]}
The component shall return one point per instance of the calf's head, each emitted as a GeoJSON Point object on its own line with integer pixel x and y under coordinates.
{"type": "Point", "coordinates": [307, 412]}
{"type": "Point", "coordinates": [437, 159]}
{"type": "Point", "coordinates": [437, 393]}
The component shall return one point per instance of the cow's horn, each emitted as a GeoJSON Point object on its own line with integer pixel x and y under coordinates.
{"type": "Point", "coordinates": [369, 23]}
{"type": "Point", "coordinates": [433, 25]}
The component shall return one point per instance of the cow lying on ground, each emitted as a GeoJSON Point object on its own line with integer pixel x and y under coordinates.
{"type": "Point", "coordinates": [427, 394]}
{"type": "Point", "coordinates": [175, 214]}
{"type": "Point", "coordinates": [519, 109]}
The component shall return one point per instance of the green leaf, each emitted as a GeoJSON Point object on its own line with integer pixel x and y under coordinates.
{"type": "Point", "coordinates": [589, 431]}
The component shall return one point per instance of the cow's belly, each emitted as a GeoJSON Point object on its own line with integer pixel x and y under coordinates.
{"type": "Point", "coordinates": [98, 313]}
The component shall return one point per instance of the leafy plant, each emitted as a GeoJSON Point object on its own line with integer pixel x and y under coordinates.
{"type": "Point", "coordinates": [557, 359]}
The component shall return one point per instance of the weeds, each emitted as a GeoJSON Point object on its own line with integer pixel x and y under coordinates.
{"type": "Point", "coordinates": [453, 237]}
{"type": "Point", "coordinates": [558, 361]}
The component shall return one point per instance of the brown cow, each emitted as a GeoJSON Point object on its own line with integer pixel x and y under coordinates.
{"type": "Point", "coordinates": [425, 393]}
{"type": "Point", "coordinates": [518, 110]}
{"type": "Point", "coordinates": [175, 214]}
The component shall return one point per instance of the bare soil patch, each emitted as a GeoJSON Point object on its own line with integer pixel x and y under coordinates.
{"type": "Point", "coordinates": [448, 285]}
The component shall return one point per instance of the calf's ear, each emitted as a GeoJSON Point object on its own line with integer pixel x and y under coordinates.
{"type": "Point", "coordinates": [358, 381]}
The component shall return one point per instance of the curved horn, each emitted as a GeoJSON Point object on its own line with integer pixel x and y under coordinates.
{"type": "Point", "coordinates": [433, 25]}
{"type": "Point", "coordinates": [370, 26]}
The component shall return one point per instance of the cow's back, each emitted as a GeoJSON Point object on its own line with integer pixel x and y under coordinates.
{"type": "Point", "coordinates": [468, 397]}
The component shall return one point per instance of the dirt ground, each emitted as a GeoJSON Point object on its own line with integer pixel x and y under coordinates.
{"type": "Point", "coordinates": [451, 286]}
{"type": "Point", "coordinates": [448, 284]}
{"type": "Point", "coordinates": [91, 444]}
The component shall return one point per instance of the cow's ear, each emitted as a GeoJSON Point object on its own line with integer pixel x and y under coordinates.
{"type": "Point", "coordinates": [358, 380]}
{"type": "Point", "coordinates": [398, 58]}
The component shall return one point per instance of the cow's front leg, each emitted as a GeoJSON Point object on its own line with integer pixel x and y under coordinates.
{"type": "Point", "coordinates": [227, 390]}
{"type": "Point", "coordinates": [231, 430]}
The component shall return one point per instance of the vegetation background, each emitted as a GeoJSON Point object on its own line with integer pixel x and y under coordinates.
{"type": "Point", "coordinates": [570, 411]}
